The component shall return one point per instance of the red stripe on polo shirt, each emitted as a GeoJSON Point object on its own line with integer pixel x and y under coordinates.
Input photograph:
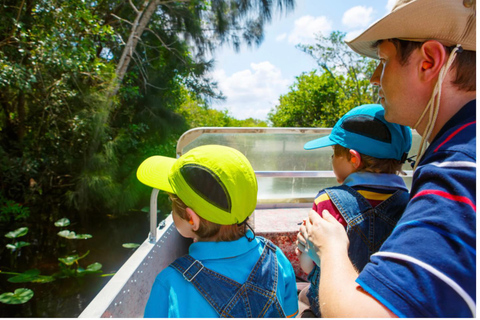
{"type": "Point", "coordinates": [454, 134]}
{"type": "Point", "coordinates": [447, 195]}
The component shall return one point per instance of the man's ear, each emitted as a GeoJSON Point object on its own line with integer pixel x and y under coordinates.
{"type": "Point", "coordinates": [355, 158]}
{"type": "Point", "coordinates": [193, 219]}
{"type": "Point", "coordinates": [432, 58]}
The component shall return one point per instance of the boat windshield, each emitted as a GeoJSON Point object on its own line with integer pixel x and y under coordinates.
{"type": "Point", "coordinates": [287, 174]}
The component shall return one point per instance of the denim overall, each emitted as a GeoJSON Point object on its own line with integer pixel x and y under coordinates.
{"type": "Point", "coordinates": [256, 298]}
{"type": "Point", "coordinates": [367, 228]}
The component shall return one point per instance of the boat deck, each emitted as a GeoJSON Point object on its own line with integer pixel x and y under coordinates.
{"type": "Point", "coordinates": [281, 227]}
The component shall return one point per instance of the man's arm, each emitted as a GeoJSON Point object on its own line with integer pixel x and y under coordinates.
{"type": "Point", "coordinates": [340, 295]}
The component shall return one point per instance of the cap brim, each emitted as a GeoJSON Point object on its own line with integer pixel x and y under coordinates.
{"type": "Point", "coordinates": [154, 172]}
{"type": "Point", "coordinates": [319, 143]}
{"type": "Point", "coordinates": [419, 21]}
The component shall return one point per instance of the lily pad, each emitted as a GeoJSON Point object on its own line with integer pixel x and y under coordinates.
{"type": "Point", "coordinates": [72, 235]}
{"type": "Point", "coordinates": [20, 232]}
{"type": "Point", "coordinates": [130, 245]}
{"type": "Point", "coordinates": [67, 234]}
{"type": "Point", "coordinates": [69, 260]}
{"type": "Point", "coordinates": [21, 295]}
{"type": "Point", "coordinates": [17, 245]}
{"type": "Point", "coordinates": [93, 268]}
{"type": "Point", "coordinates": [83, 236]}
{"type": "Point", "coordinates": [27, 276]}
{"type": "Point", "coordinates": [62, 223]}
{"type": "Point", "coordinates": [32, 275]}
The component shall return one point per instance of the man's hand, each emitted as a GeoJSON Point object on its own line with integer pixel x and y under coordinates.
{"type": "Point", "coordinates": [322, 234]}
{"type": "Point", "coordinates": [304, 247]}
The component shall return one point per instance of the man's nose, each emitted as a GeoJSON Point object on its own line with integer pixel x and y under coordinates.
{"type": "Point", "coordinates": [375, 79]}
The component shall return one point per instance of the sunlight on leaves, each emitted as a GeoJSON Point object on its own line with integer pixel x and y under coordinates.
{"type": "Point", "coordinates": [20, 232]}
{"type": "Point", "coordinates": [21, 295]}
{"type": "Point", "coordinates": [130, 245]}
{"type": "Point", "coordinates": [17, 245]}
{"type": "Point", "coordinates": [69, 260]}
{"type": "Point", "coordinates": [72, 235]}
{"type": "Point", "coordinates": [62, 223]}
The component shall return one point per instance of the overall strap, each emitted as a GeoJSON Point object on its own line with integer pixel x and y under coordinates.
{"type": "Point", "coordinates": [398, 200]}
{"type": "Point", "coordinates": [349, 203]}
{"type": "Point", "coordinates": [261, 286]}
{"type": "Point", "coordinates": [207, 281]}
{"type": "Point", "coordinates": [269, 253]}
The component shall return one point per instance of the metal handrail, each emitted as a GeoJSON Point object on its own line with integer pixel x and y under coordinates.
{"type": "Point", "coordinates": [192, 134]}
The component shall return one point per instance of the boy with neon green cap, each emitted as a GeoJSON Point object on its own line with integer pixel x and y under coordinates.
{"type": "Point", "coordinates": [228, 272]}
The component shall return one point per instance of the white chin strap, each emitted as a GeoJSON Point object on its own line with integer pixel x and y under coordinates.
{"type": "Point", "coordinates": [433, 106]}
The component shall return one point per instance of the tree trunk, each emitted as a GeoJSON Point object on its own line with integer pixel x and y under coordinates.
{"type": "Point", "coordinates": [143, 18]}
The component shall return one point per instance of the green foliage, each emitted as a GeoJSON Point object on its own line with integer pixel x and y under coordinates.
{"type": "Point", "coordinates": [69, 267]}
{"type": "Point", "coordinates": [21, 295]}
{"type": "Point", "coordinates": [70, 260]}
{"type": "Point", "coordinates": [197, 114]}
{"type": "Point", "coordinates": [32, 275]}
{"type": "Point", "coordinates": [131, 245]}
{"type": "Point", "coordinates": [12, 211]}
{"type": "Point", "coordinates": [64, 222]}
{"type": "Point", "coordinates": [72, 235]}
{"type": "Point", "coordinates": [312, 102]}
{"type": "Point", "coordinates": [17, 245]}
{"type": "Point", "coordinates": [319, 100]}
{"type": "Point", "coordinates": [20, 232]}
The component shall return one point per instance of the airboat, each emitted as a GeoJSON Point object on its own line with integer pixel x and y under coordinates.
{"type": "Point", "coordinates": [288, 178]}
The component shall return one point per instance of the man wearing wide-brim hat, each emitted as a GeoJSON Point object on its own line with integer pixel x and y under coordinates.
{"type": "Point", "coordinates": [427, 80]}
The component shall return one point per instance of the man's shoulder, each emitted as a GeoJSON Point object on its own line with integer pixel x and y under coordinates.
{"type": "Point", "coordinates": [459, 133]}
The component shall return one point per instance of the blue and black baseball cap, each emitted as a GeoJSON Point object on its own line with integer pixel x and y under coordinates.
{"type": "Point", "coordinates": [365, 130]}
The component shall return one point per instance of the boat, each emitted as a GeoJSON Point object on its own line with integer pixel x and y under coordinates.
{"type": "Point", "coordinates": [288, 178]}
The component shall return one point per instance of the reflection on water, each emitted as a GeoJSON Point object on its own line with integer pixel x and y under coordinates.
{"type": "Point", "coordinates": [67, 298]}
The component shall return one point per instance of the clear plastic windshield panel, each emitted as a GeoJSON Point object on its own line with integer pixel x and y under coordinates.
{"type": "Point", "coordinates": [287, 174]}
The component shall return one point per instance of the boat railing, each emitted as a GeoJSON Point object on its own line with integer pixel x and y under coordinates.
{"type": "Point", "coordinates": [288, 180]}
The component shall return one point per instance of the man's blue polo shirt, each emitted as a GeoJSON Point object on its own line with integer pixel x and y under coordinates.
{"type": "Point", "coordinates": [427, 267]}
{"type": "Point", "coordinates": [172, 296]}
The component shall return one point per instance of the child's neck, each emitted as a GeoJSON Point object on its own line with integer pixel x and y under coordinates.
{"type": "Point", "coordinates": [210, 239]}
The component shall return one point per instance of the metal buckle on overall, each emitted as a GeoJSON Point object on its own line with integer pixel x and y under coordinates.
{"type": "Point", "coordinates": [196, 273]}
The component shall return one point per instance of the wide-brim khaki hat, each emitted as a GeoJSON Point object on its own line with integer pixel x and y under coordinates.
{"type": "Point", "coordinates": [450, 22]}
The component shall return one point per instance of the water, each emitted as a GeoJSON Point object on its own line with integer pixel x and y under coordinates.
{"type": "Point", "coordinates": [68, 297]}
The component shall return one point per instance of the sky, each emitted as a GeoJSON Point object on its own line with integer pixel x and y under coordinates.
{"type": "Point", "coordinates": [253, 79]}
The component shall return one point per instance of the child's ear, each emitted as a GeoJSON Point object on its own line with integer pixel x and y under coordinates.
{"type": "Point", "coordinates": [355, 158]}
{"type": "Point", "coordinates": [193, 219]}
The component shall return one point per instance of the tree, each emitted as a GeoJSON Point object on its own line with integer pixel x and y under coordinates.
{"type": "Point", "coordinates": [319, 100]}
{"type": "Point", "coordinates": [334, 57]}
{"type": "Point", "coordinates": [313, 101]}
{"type": "Point", "coordinates": [77, 116]}
{"type": "Point", "coordinates": [198, 114]}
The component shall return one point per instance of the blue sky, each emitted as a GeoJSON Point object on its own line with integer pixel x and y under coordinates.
{"type": "Point", "coordinates": [253, 79]}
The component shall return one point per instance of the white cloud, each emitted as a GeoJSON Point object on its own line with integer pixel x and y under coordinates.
{"type": "Point", "coordinates": [307, 27]}
{"type": "Point", "coordinates": [252, 92]}
{"type": "Point", "coordinates": [390, 5]}
{"type": "Point", "coordinates": [358, 17]}
{"type": "Point", "coordinates": [353, 34]}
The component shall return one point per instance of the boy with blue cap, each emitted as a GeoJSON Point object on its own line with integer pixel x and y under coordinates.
{"type": "Point", "coordinates": [368, 156]}
{"type": "Point", "coordinates": [228, 272]}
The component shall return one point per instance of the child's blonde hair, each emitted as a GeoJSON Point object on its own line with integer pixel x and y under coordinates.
{"type": "Point", "coordinates": [208, 229]}
{"type": "Point", "coordinates": [371, 164]}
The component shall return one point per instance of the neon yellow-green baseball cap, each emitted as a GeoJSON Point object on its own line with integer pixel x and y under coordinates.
{"type": "Point", "coordinates": [217, 182]}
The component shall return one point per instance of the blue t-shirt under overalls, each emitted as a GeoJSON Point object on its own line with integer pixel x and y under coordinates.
{"type": "Point", "coordinates": [226, 279]}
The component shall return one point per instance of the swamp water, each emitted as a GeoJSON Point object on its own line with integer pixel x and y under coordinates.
{"type": "Point", "coordinates": [66, 298]}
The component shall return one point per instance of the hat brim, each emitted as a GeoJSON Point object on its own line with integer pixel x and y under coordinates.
{"type": "Point", "coordinates": [319, 143]}
{"type": "Point", "coordinates": [154, 172]}
{"type": "Point", "coordinates": [419, 21]}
